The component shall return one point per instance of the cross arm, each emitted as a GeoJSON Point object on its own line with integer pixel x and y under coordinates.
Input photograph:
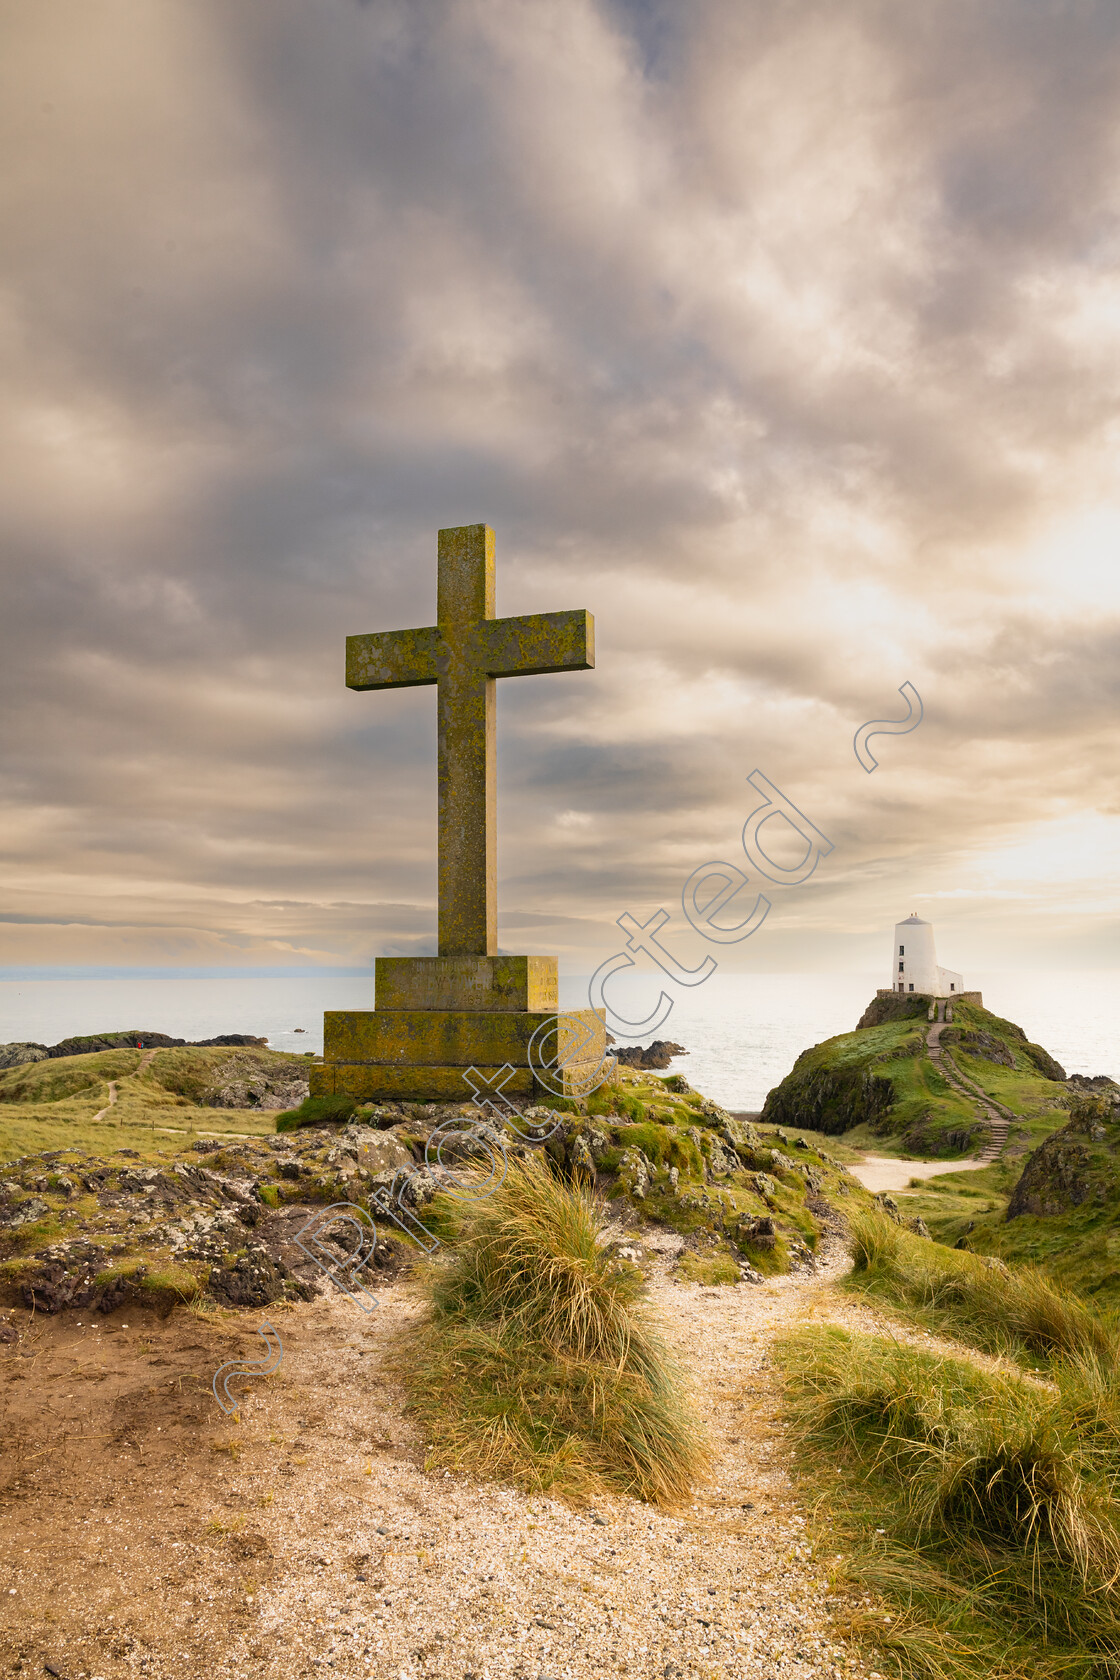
{"type": "Point", "coordinates": [393, 659]}
{"type": "Point", "coordinates": [538, 643]}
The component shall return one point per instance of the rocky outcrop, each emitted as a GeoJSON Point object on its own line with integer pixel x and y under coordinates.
{"type": "Point", "coordinates": [1056, 1178]}
{"type": "Point", "coordinates": [980, 1044]}
{"type": "Point", "coordinates": [656, 1055]}
{"type": "Point", "coordinates": [254, 1279]}
{"type": "Point", "coordinates": [15, 1055]}
{"type": "Point", "coordinates": [244, 1083]}
{"type": "Point", "coordinates": [1073, 1166]}
{"type": "Point", "coordinates": [894, 1006]}
{"type": "Point", "coordinates": [829, 1099]}
{"type": "Point", "coordinates": [1044, 1061]}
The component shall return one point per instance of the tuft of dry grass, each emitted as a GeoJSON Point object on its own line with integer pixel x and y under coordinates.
{"type": "Point", "coordinates": [538, 1360]}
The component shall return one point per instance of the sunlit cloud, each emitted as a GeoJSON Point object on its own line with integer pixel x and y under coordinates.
{"type": "Point", "coordinates": [785, 339]}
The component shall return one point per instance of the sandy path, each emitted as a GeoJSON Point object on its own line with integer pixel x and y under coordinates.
{"type": "Point", "coordinates": [887, 1172]}
{"type": "Point", "coordinates": [308, 1537]}
{"type": "Point", "coordinates": [102, 1112]}
{"type": "Point", "coordinates": [492, 1583]}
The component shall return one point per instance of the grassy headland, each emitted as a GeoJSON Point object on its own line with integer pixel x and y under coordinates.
{"type": "Point", "coordinates": [157, 1098]}
{"type": "Point", "coordinates": [880, 1086]}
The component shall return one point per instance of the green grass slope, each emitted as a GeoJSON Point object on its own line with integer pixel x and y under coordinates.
{"type": "Point", "coordinates": [976, 1500]}
{"type": "Point", "coordinates": [881, 1078]}
{"type": "Point", "coordinates": [53, 1104]}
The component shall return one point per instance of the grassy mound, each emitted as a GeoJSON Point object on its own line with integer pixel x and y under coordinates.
{"type": "Point", "coordinates": [881, 1077]}
{"type": "Point", "coordinates": [67, 1102]}
{"type": "Point", "coordinates": [317, 1111]}
{"type": "Point", "coordinates": [979, 1506]}
{"type": "Point", "coordinates": [537, 1361]}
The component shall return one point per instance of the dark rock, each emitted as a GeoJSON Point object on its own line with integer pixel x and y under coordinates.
{"type": "Point", "coordinates": [16, 1055]}
{"type": "Point", "coordinates": [225, 1038]}
{"type": "Point", "coordinates": [656, 1055]}
{"type": "Point", "coordinates": [758, 1232]}
{"type": "Point", "coordinates": [1070, 1166]}
{"type": "Point", "coordinates": [828, 1099]}
{"type": "Point", "coordinates": [67, 1277]}
{"type": "Point", "coordinates": [135, 1039]}
{"type": "Point", "coordinates": [255, 1279]}
{"type": "Point", "coordinates": [1044, 1062]}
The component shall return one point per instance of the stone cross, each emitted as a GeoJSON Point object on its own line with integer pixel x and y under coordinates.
{"type": "Point", "coordinates": [462, 654]}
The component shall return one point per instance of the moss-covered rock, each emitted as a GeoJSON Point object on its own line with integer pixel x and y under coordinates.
{"type": "Point", "coordinates": [827, 1098]}
{"type": "Point", "coordinates": [1078, 1164]}
{"type": "Point", "coordinates": [894, 1006]}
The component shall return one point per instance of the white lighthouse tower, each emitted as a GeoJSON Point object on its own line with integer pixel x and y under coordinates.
{"type": "Point", "coordinates": [914, 966]}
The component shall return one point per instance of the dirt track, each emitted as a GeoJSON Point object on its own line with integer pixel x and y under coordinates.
{"type": "Point", "coordinates": [146, 1534]}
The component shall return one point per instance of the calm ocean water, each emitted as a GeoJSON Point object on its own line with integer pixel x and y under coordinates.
{"type": "Point", "coordinates": [743, 1032]}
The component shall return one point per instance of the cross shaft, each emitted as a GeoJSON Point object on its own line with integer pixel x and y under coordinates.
{"type": "Point", "coordinates": [463, 654]}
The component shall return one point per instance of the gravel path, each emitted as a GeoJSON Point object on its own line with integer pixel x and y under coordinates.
{"type": "Point", "coordinates": [887, 1172]}
{"type": "Point", "coordinates": [389, 1571]}
{"type": "Point", "coordinates": [146, 1535]}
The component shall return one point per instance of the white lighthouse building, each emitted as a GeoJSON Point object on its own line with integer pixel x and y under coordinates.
{"type": "Point", "coordinates": [914, 966]}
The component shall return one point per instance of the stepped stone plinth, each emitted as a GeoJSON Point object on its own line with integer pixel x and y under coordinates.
{"type": "Point", "coordinates": [439, 1017]}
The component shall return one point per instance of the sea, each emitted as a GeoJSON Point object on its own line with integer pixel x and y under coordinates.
{"type": "Point", "coordinates": [742, 1032]}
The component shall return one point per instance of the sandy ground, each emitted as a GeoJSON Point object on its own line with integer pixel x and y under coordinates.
{"type": "Point", "coordinates": [884, 1172]}
{"type": "Point", "coordinates": [147, 1534]}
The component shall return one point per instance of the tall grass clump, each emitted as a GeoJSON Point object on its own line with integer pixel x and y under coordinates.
{"type": "Point", "coordinates": [1002, 1310]}
{"type": "Point", "coordinates": [975, 1503]}
{"type": "Point", "coordinates": [537, 1360]}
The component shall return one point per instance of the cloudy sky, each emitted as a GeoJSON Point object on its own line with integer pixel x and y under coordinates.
{"type": "Point", "coordinates": [784, 335]}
